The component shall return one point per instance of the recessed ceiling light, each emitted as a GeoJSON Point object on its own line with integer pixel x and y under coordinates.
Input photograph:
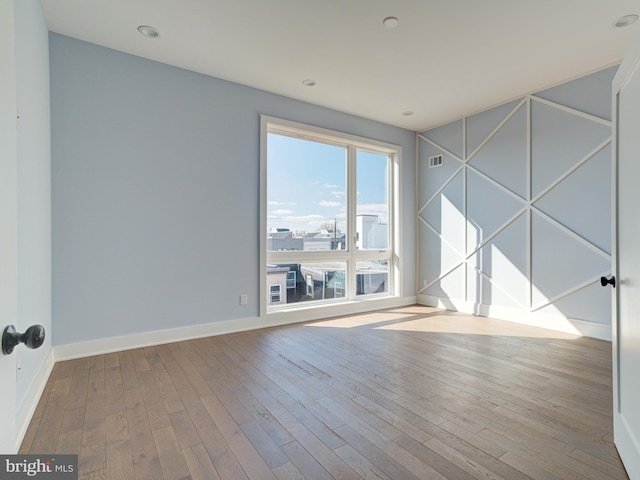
{"type": "Point", "coordinates": [407, 113]}
{"type": "Point", "coordinates": [625, 21]}
{"type": "Point", "coordinates": [148, 31]}
{"type": "Point", "coordinates": [308, 82]}
{"type": "Point", "coordinates": [391, 22]}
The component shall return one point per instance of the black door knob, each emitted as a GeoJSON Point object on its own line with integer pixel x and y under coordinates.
{"type": "Point", "coordinates": [32, 338]}
{"type": "Point", "coordinates": [604, 281]}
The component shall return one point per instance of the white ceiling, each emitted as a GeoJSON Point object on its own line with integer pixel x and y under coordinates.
{"type": "Point", "coordinates": [445, 59]}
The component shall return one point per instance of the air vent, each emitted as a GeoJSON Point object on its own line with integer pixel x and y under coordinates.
{"type": "Point", "coordinates": [435, 161]}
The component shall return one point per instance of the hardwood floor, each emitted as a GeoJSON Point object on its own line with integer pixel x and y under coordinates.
{"type": "Point", "coordinates": [397, 394]}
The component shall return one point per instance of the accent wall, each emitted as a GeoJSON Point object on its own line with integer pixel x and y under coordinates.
{"type": "Point", "coordinates": [516, 221]}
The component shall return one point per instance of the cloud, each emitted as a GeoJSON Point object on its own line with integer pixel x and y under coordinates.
{"type": "Point", "coordinates": [338, 194]}
{"type": "Point", "coordinates": [282, 211]}
{"type": "Point", "coordinates": [303, 218]}
{"type": "Point", "coordinates": [271, 202]}
{"type": "Point", "coordinates": [325, 203]}
{"type": "Point", "coordinates": [330, 185]}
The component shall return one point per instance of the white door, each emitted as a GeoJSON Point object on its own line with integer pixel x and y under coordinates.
{"type": "Point", "coordinates": [8, 223]}
{"type": "Point", "coordinates": [626, 310]}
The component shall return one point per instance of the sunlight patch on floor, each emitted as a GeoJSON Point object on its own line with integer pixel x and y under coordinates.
{"type": "Point", "coordinates": [471, 325]}
{"type": "Point", "coordinates": [361, 320]}
{"type": "Point", "coordinates": [417, 318]}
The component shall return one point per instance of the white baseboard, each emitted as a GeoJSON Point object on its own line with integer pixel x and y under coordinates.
{"type": "Point", "coordinates": [536, 319]}
{"type": "Point", "coordinates": [30, 403]}
{"type": "Point", "coordinates": [159, 337]}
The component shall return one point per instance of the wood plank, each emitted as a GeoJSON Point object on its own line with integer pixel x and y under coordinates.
{"type": "Point", "coordinates": [172, 461]}
{"type": "Point", "coordinates": [93, 455]}
{"type": "Point", "coordinates": [431, 458]}
{"type": "Point", "coordinates": [143, 451]}
{"type": "Point", "coordinates": [253, 464]}
{"type": "Point", "coordinates": [185, 431]}
{"type": "Point", "coordinates": [77, 396]}
{"type": "Point", "coordinates": [390, 465]}
{"type": "Point", "coordinates": [266, 447]}
{"type": "Point", "coordinates": [359, 464]}
{"type": "Point", "coordinates": [119, 460]}
{"type": "Point", "coordinates": [199, 463]}
{"type": "Point", "coordinates": [114, 393]}
{"type": "Point", "coordinates": [304, 462]}
{"type": "Point", "coordinates": [70, 442]}
{"type": "Point", "coordinates": [312, 444]}
{"type": "Point", "coordinates": [469, 465]}
{"type": "Point", "coordinates": [288, 471]}
{"type": "Point", "coordinates": [154, 403]}
{"type": "Point", "coordinates": [49, 426]}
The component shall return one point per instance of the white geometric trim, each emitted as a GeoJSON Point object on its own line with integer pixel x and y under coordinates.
{"type": "Point", "coordinates": [495, 130]}
{"type": "Point", "coordinates": [441, 277]}
{"type": "Point", "coordinates": [569, 292]}
{"type": "Point", "coordinates": [529, 214]}
{"type": "Point", "coordinates": [580, 162]}
{"type": "Point", "coordinates": [464, 138]}
{"type": "Point", "coordinates": [573, 111]}
{"type": "Point", "coordinates": [496, 183]}
{"type": "Point", "coordinates": [572, 234]}
{"type": "Point", "coordinates": [468, 256]}
{"type": "Point", "coordinates": [440, 190]}
{"type": "Point", "coordinates": [456, 157]}
{"type": "Point", "coordinates": [496, 233]}
{"type": "Point", "coordinates": [430, 227]}
{"type": "Point", "coordinates": [494, 284]}
{"type": "Point", "coordinates": [465, 196]}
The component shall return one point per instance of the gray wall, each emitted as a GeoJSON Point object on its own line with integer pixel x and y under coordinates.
{"type": "Point", "coordinates": [156, 192]}
{"type": "Point", "coordinates": [34, 186]}
{"type": "Point", "coordinates": [518, 217]}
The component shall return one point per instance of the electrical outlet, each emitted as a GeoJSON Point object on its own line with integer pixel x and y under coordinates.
{"type": "Point", "coordinates": [243, 299]}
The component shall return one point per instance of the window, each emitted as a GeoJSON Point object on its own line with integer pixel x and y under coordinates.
{"type": "Point", "coordinates": [328, 203]}
{"type": "Point", "coordinates": [274, 291]}
{"type": "Point", "coordinates": [291, 279]}
{"type": "Point", "coordinates": [309, 280]}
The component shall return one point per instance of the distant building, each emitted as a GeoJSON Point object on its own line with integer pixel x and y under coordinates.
{"type": "Point", "coordinates": [370, 233]}
{"type": "Point", "coordinates": [283, 240]}
{"type": "Point", "coordinates": [323, 280]}
{"type": "Point", "coordinates": [277, 284]}
{"type": "Point", "coordinates": [324, 240]}
{"type": "Point", "coordinates": [372, 277]}
{"type": "Point", "coordinates": [294, 283]}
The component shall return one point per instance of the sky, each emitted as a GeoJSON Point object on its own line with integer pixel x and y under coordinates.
{"type": "Point", "coordinates": [306, 184]}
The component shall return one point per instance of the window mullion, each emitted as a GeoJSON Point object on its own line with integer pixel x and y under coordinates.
{"type": "Point", "coordinates": [372, 254]}
{"type": "Point", "coordinates": [352, 192]}
{"type": "Point", "coordinates": [394, 215]}
{"type": "Point", "coordinates": [296, 256]}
